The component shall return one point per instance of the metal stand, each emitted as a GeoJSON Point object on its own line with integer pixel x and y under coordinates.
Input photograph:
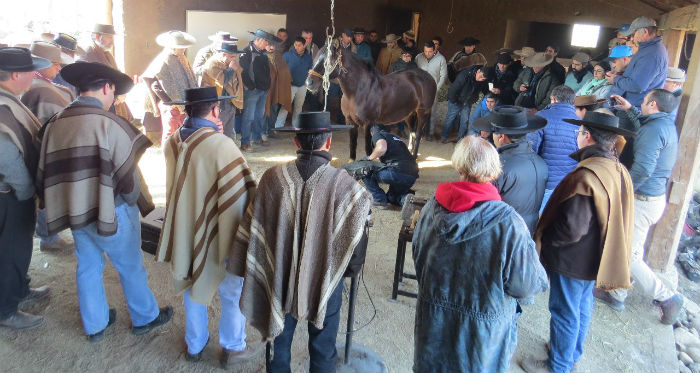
{"type": "Point", "coordinates": [351, 317]}
{"type": "Point", "coordinates": [409, 214]}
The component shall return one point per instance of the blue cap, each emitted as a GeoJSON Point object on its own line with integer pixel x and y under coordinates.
{"type": "Point", "coordinates": [620, 51]}
{"type": "Point", "coordinates": [623, 27]}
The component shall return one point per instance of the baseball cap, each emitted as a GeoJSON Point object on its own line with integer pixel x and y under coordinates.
{"type": "Point", "coordinates": [639, 22]}
{"type": "Point", "coordinates": [620, 51]}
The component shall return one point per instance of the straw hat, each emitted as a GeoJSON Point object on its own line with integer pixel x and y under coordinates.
{"type": "Point", "coordinates": [49, 51]}
{"type": "Point", "coordinates": [175, 39]}
{"type": "Point", "coordinates": [540, 59]}
{"type": "Point", "coordinates": [524, 52]}
{"type": "Point", "coordinates": [390, 37]}
{"type": "Point", "coordinates": [103, 29]}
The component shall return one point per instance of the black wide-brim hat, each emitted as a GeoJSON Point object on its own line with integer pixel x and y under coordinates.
{"type": "Point", "coordinates": [19, 60]}
{"type": "Point", "coordinates": [314, 122]}
{"type": "Point", "coordinates": [230, 48]}
{"type": "Point", "coordinates": [601, 121]}
{"type": "Point", "coordinates": [80, 73]}
{"type": "Point", "coordinates": [199, 95]}
{"type": "Point", "coordinates": [266, 35]}
{"type": "Point", "coordinates": [510, 120]}
{"type": "Point", "coordinates": [469, 41]}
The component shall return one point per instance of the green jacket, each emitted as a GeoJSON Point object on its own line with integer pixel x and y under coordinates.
{"type": "Point", "coordinates": [542, 92]}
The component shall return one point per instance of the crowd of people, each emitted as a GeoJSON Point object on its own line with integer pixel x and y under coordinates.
{"type": "Point", "coordinates": [562, 171]}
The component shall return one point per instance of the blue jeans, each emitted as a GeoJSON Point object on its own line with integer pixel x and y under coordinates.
{"type": "Point", "coordinates": [42, 228]}
{"type": "Point", "coordinates": [571, 306]}
{"type": "Point", "coordinates": [231, 322]}
{"type": "Point", "coordinates": [253, 115]}
{"type": "Point", "coordinates": [124, 251]}
{"type": "Point", "coordinates": [322, 352]}
{"type": "Point", "coordinates": [545, 199]}
{"type": "Point", "coordinates": [399, 185]}
{"type": "Point", "coordinates": [453, 110]}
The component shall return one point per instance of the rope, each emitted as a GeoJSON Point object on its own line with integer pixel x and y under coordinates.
{"type": "Point", "coordinates": [450, 26]}
{"type": "Point", "coordinates": [327, 64]}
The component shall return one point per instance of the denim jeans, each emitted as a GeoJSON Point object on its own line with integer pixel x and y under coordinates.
{"type": "Point", "coordinates": [453, 110]}
{"type": "Point", "coordinates": [231, 322]}
{"type": "Point", "coordinates": [42, 228]}
{"type": "Point", "coordinates": [253, 115]}
{"type": "Point", "coordinates": [322, 352]}
{"type": "Point", "coordinates": [545, 199]}
{"type": "Point", "coordinates": [571, 306]}
{"type": "Point", "coordinates": [124, 251]}
{"type": "Point", "coordinates": [646, 214]}
{"type": "Point", "coordinates": [399, 185]}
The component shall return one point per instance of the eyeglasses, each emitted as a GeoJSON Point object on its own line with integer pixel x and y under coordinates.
{"type": "Point", "coordinates": [578, 132]}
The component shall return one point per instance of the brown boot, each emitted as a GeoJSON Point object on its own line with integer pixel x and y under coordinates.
{"type": "Point", "coordinates": [229, 358]}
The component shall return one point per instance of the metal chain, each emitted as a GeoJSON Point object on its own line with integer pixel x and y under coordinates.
{"type": "Point", "coordinates": [327, 64]}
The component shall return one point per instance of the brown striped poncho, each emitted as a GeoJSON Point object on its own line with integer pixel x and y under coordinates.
{"type": "Point", "coordinates": [295, 243]}
{"type": "Point", "coordinates": [45, 99]}
{"type": "Point", "coordinates": [88, 157]}
{"type": "Point", "coordinates": [208, 188]}
{"type": "Point", "coordinates": [21, 126]}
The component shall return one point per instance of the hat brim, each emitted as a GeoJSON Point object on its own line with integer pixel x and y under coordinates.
{"type": "Point", "coordinates": [534, 123]}
{"type": "Point", "coordinates": [239, 51]}
{"type": "Point", "coordinates": [163, 41]}
{"type": "Point", "coordinates": [38, 63]}
{"type": "Point", "coordinates": [617, 130]}
{"type": "Point", "coordinates": [330, 128]}
{"type": "Point", "coordinates": [596, 102]}
{"type": "Point", "coordinates": [218, 98]}
{"type": "Point", "coordinates": [269, 37]}
{"type": "Point", "coordinates": [80, 72]}
{"type": "Point", "coordinates": [385, 40]}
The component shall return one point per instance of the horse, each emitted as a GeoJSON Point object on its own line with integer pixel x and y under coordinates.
{"type": "Point", "coordinates": [371, 98]}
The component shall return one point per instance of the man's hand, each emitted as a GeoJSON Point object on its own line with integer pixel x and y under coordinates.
{"type": "Point", "coordinates": [234, 64]}
{"type": "Point", "coordinates": [496, 91]}
{"type": "Point", "coordinates": [366, 158]}
{"type": "Point", "coordinates": [622, 103]}
{"type": "Point", "coordinates": [523, 88]}
{"type": "Point", "coordinates": [610, 77]}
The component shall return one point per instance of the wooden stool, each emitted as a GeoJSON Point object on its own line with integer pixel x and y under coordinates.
{"type": "Point", "coordinates": [409, 215]}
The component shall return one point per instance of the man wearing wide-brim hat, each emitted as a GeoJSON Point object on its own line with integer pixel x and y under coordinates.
{"type": "Point", "coordinates": [89, 181]}
{"type": "Point", "coordinates": [46, 98]}
{"type": "Point", "coordinates": [99, 51]}
{"type": "Point", "coordinates": [674, 84]}
{"type": "Point", "coordinates": [522, 182]}
{"type": "Point", "coordinates": [286, 282]}
{"type": "Point", "coordinates": [203, 55]}
{"type": "Point", "coordinates": [465, 57]}
{"type": "Point", "coordinates": [522, 72]}
{"type": "Point", "coordinates": [389, 54]}
{"type": "Point", "coordinates": [223, 71]}
{"type": "Point", "coordinates": [256, 84]}
{"type": "Point", "coordinates": [71, 51]}
{"type": "Point", "coordinates": [408, 41]}
{"type": "Point", "coordinates": [199, 158]}
{"type": "Point", "coordinates": [535, 93]}
{"type": "Point", "coordinates": [584, 104]}
{"type": "Point", "coordinates": [19, 155]}
{"type": "Point", "coordinates": [584, 237]}
{"type": "Point", "coordinates": [167, 77]}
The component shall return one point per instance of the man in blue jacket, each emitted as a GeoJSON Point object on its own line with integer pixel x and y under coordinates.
{"type": "Point", "coordinates": [364, 51]}
{"type": "Point", "coordinates": [655, 153]}
{"type": "Point", "coordinates": [557, 141]}
{"type": "Point", "coordinates": [648, 67]}
{"type": "Point", "coordinates": [300, 62]}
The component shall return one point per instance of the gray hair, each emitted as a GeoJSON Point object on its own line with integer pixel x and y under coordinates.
{"type": "Point", "coordinates": [476, 160]}
{"type": "Point", "coordinates": [564, 94]}
{"type": "Point", "coordinates": [5, 76]}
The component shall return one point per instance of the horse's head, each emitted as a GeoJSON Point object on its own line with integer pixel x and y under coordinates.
{"type": "Point", "coordinates": [315, 78]}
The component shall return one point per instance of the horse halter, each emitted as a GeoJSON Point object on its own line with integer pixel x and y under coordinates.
{"type": "Point", "coordinates": [337, 64]}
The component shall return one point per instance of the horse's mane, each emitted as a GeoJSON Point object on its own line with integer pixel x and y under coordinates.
{"type": "Point", "coordinates": [367, 65]}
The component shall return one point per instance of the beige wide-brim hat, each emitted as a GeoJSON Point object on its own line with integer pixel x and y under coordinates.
{"type": "Point", "coordinates": [175, 39]}
{"type": "Point", "coordinates": [540, 59]}
{"type": "Point", "coordinates": [390, 37]}
{"type": "Point", "coordinates": [524, 52]}
{"type": "Point", "coordinates": [675, 75]}
{"type": "Point", "coordinates": [587, 100]}
{"type": "Point", "coordinates": [49, 51]}
{"type": "Point", "coordinates": [410, 35]}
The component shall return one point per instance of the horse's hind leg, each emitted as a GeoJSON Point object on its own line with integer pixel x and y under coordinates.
{"type": "Point", "coordinates": [353, 143]}
{"type": "Point", "coordinates": [421, 120]}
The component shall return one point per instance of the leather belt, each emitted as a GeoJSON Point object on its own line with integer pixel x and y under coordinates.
{"type": "Point", "coordinates": [642, 197]}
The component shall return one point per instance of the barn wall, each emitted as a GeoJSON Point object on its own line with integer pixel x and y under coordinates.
{"type": "Point", "coordinates": [487, 20]}
{"type": "Point", "coordinates": [143, 20]}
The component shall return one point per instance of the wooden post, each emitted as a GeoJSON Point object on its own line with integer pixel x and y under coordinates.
{"type": "Point", "coordinates": [663, 240]}
{"type": "Point", "coordinates": [673, 39]}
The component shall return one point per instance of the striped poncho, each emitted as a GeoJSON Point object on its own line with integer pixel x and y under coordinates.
{"type": "Point", "coordinates": [45, 99]}
{"type": "Point", "coordinates": [208, 188]}
{"type": "Point", "coordinates": [88, 157]}
{"type": "Point", "coordinates": [21, 126]}
{"type": "Point", "coordinates": [294, 244]}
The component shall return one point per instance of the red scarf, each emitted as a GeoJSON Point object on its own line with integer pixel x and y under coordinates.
{"type": "Point", "coordinates": [460, 196]}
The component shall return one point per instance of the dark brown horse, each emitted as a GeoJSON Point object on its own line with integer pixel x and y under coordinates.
{"type": "Point", "coordinates": [371, 98]}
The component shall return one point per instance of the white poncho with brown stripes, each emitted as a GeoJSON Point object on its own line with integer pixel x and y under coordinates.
{"type": "Point", "coordinates": [208, 188]}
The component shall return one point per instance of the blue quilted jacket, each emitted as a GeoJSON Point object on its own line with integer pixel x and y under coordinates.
{"type": "Point", "coordinates": [556, 141]}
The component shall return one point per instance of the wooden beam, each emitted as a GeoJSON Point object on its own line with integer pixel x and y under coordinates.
{"type": "Point", "coordinates": [673, 39]}
{"type": "Point", "coordinates": [663, 240]}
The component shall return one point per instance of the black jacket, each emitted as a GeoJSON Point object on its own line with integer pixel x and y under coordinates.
{"type": "Point", "coordinates": [521, 185]}
{"type": "Point", "coordinates": [465, 89]}
{"type": "Point", "coordinates": [505, 84]}
{"type": "Point", "coordinates": [256, 68]}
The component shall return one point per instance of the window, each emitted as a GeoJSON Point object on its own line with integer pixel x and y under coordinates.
{"type": "Point", "coordinates": [585, 35]}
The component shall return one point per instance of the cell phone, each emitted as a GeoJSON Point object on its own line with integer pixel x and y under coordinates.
{"type": "Point", "coordinates": [490, 86]}
{"type": "Point", "coordinates": [613, 101]}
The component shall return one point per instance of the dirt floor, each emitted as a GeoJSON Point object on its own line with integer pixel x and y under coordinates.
{"type": "Point", "coordinates": [632, 341]}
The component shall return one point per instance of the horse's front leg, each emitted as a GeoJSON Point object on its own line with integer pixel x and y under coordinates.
{"type": "Point", "coordinates": [368, 140]}
{"type": "Point", "coordinates": [353, 143]}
